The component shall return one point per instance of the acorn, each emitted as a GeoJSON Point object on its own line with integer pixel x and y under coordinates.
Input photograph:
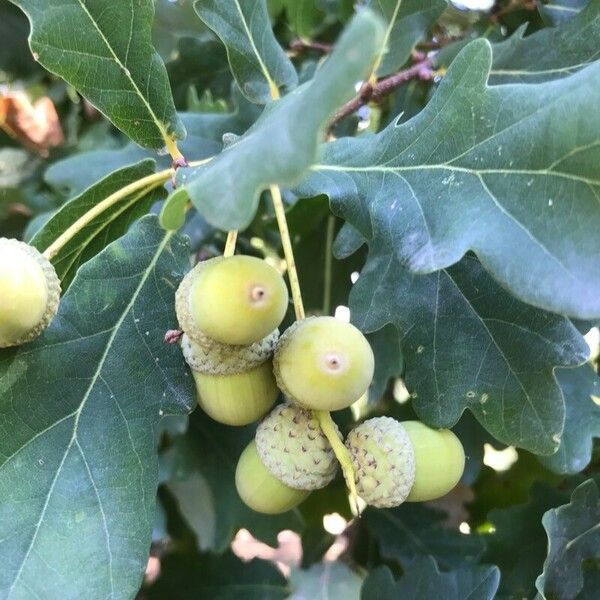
{"type": "Point", "coordinates": [29, 292]}
{"type": "Point", "coordinates": [235, 384]}
{"type": "Point", "coordinates": [439, 461]}
{"type": "Point", "coordinates": [259, 489]}
{"type": "Point", "coordinates": [322, 363]}
{"type": "Point", "coordinates": [396, 462]}
{"type": "Point", "coordinates": [235, 300]}
{"type": "Point", "coordinates": [291, 445]}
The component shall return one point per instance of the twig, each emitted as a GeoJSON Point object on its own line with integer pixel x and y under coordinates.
{"type": "Point", "coordinates": [299, 45]}
{"type": "Point", "coordinates": [375, 93]}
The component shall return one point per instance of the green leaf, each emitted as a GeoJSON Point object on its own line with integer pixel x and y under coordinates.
{"type": "Point", "coordinates": [206, 438]}
{"type": "Point", "coordinates": [104, 228]}
{"type": "Point", "coordinates": [424, 581]}
{"type": "Point", "coordinates": [198, 64]}
{"type": "Point", "coordinates": [276, 150]}
{"type": "Point", "coordinates": [80, 406]}
{"type": "Point", "coordinates": [304, 17]}
{"type": "Point", "coordinates": [556, 12]}
{"type": "Point", "coordinates": [518, 544]}
{"type": "Point", "coordinates": [452, 179]}
{"type": "Point", "coordinates": [389, 362]}
{"type": "Point", "coordinates": [581, 388]}
{"type": "Point", "coordinates": [172, 213]}
{"type": "Point", "coordinates": [205, 132]}
{"type": "Point", "coordinates": [258, 63]}
{"type": "Point", "coordinates": [325, 580]}
{"type": "Point", "coordinates": [407, 23]}
{"type": "Point", "coordinates": [103, 49]}
{"type": "Point", "coordinates": [546, 54]}
{"type": "Point", "coordinates": [550, 53]}
{"type": "Point", "coordinates": [223, 577]}
{"type": "Point", "coordinates": [573, 537]}
{"type": "Point", "coordinates": [467, 343]}
{"type": "Point", "coordinates": [414, 530]}
{"type": "Point", "coordinates": [15, 59]}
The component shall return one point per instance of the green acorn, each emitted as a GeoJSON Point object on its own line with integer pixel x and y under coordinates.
{"type": "Point", "coordinates": [291, 445]}
{"type": "Point", "coordinates": [29, 292]}
{"type": "Point", "coordinates": [235, 384]}
{"type": "Point", "coordinates": [396, 462]}
{"type": "Point", "coordinates": [236, 300]}
{"type": "Point", "coordinates": [322, 363]}
{"type": "Point", "coordinates": [259, 489]}
{"type": "Point", "coordinates": [439, 461]}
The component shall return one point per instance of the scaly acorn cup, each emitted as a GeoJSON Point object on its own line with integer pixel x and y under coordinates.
{"type": "Point", "coordinates": [291, 445]}
{"type": "Point", "coordinates": [235, 384]}
{"type": "Point", "coordinates": [384, 461]}
{"type": "Point", "coordinates": [235, 300]}
{"type": "Point", "coordinates": [439, 461]}
{"type": "Point", "coordinates": [259, 489]}
{"type": "Point", "coordinates": [396, 462]}
{"type": "Point", "coordinates": [322, 363]}
{"type": "Point", "coordinates": [29, 292]}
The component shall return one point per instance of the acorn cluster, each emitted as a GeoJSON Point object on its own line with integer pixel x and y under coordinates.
{"type": "Point", "coordinates": [229, 309]}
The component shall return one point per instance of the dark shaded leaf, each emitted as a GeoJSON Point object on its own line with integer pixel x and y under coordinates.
{"type": "Point", "coordinates": [423, 581]}
{"type": "Point", "coordinates": [414, 530]}
{"type": "Point", "coordinates": [573, 537]}
{"type": "Point", "coordinates": [222, 577]}
{"type": "Point", "coordinates": [518, 544]}
{"type": "Point", "coordinates": [581, 388]}
{"type": "Point", "coordinates": [79, 411]}
{"type": "Point", "coordinates": [468, 344]}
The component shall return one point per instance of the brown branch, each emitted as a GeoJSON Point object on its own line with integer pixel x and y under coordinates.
{"type": "Point", "coordinates": [299, 45]}
{"type": "Point", "coordinates": [375, 93]}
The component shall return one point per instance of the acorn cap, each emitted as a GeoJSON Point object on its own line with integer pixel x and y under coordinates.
{"type": "Point", "coordinates": [182, 308]}
{"type": "Point", "coordinates": [11, 246]}
{"type": "Point", "coordinates": [291, 445]}
{"type": "Point", "coordinates": [384, 461]}
{"type": "Point", "coordinates": [224, 359]}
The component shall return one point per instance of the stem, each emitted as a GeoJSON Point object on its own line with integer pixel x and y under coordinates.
{"type": "Point", "coordinates": [230, 243]}
{"type": "Point", "coordinates": [173, 150]}
{"type": "Point", "coordinates": [299, 45]}
{"type": "Point", "coordinates": [288, 251]}
{"type": "Point", "coordinates": [341, 452]}
{"type": "Point", "coordinates": [150, 182]}
{"type": "Point", "coordinates": [328, 265]}
{"type": "Point", "coordinates": [376, 92]}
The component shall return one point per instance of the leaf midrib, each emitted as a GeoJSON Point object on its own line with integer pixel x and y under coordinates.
{"type": "Point", "coordinates": [126, 72]}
